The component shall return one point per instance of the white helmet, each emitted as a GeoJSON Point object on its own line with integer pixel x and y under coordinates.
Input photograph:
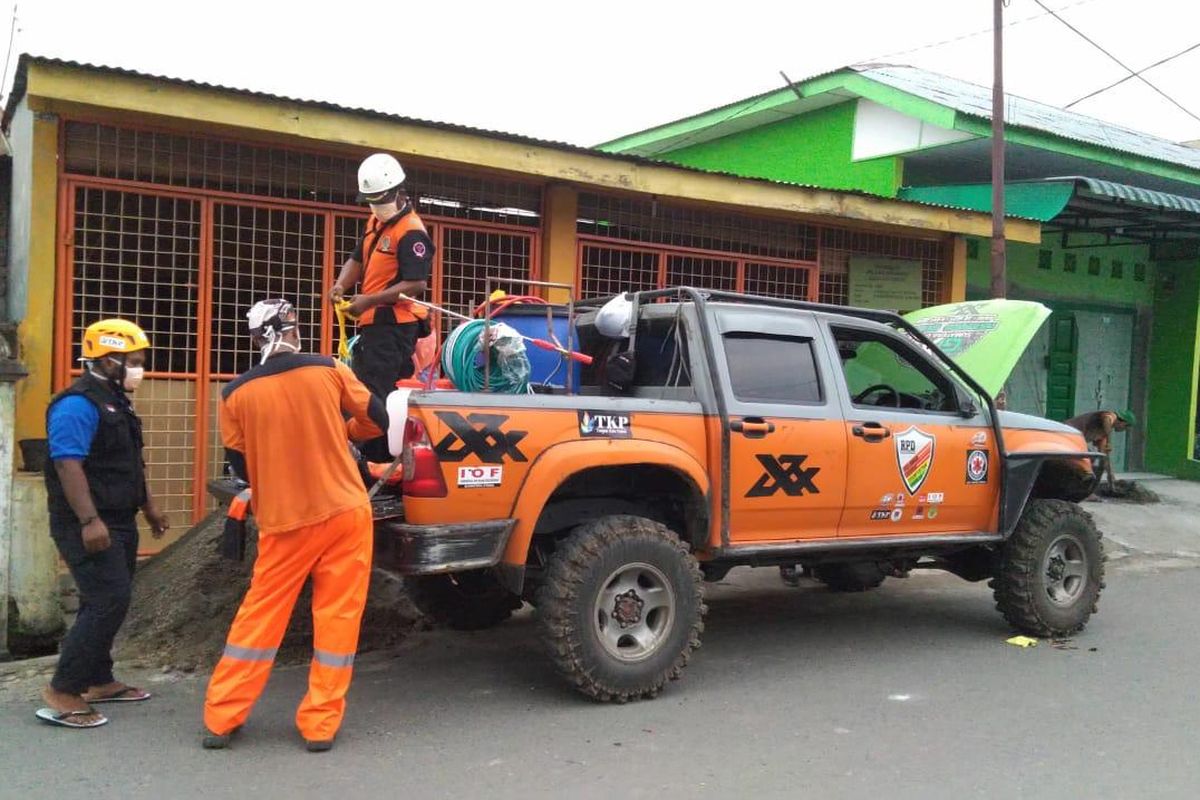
{"type": "Point", "coordinates": [377, 174]}
{"type": "Point", "coordinates": [615, 318]}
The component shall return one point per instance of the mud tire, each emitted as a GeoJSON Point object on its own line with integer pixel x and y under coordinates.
{"type": "Point", "coordinates": [569, 598]}
{"type": "Point", "coordinates": [463, 601]}
{"type": "Point", "coordinates": [1024, 579]}
{"type": "Point", "coordinates": [856, 577]}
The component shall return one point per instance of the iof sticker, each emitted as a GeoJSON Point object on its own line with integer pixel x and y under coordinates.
{"type": "Point", "coordinates": [480, 477]}
{"type": "Point", "coordinates": [977, 466]}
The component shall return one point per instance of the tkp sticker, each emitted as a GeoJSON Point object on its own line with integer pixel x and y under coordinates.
{"type": "Point", "coordinates": [977, 466]}
{"type": "Point", "coordinates": [479, 477]}
{"type": "Point", "coordinates": [914, 456]}
{"type": "Point", "coordinates": [115, 342]}
{"type": "Point", "coordinates": [597, 424]}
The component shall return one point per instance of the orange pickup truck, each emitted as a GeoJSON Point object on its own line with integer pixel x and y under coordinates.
{"type": "Point", "coordinates": [749, 431]}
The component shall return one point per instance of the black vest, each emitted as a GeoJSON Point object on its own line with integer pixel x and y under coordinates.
{"type": "Point", "coordinates": [115, 470]}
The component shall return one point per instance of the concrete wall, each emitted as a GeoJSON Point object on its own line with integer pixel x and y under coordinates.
{"type": "Point", "coordinates": [7, 409]}
{"type": "Point", "coordinates": [33, 574]}
{"type": "Point", "coordinates": [812, 149]}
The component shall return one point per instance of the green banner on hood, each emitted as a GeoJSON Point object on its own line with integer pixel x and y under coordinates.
{"type": "Point", "coordinates": [985, 337]}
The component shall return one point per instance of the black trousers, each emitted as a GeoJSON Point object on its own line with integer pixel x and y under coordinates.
{"type": "Point", "coordinates": [383, 355]}
{"type": "Point", "coordinates": [105, 582]}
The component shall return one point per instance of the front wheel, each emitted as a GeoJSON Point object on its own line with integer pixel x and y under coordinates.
{"type": "Point", "coordinates": [621, 608]}
{"type": "Point", "coordinates": [1051, 570]}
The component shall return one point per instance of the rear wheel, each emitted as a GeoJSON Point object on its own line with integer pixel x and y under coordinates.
{"type": "Point", "coordinates": [464, 601]}
{"type": "Point", "coordinates": [621, 608]}
{"type": "Point", "coordinates": [850, 577]}
{"type": "Point", "coordinates": [1051, 570]}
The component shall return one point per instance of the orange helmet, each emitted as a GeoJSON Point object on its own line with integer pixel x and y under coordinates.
{"type": "Point", "coordinates": [110, 336]}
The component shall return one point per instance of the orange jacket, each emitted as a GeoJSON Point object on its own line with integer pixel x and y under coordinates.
{"type": "Point", "coordinates": [391, 252]}
{"type": "Point", "coordinates": [284, 420]}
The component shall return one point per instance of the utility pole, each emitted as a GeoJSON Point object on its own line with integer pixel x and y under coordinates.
{"type": "Point", "coordinates": [999, 254]}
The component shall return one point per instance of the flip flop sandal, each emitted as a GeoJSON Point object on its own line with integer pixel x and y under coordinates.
{"type": "Point", "coordinates": [130, 694]}
{"type": "Point", "coordinates": [65, 718]}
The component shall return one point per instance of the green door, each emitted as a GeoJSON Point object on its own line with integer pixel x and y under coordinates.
{"type": "Point", "coordinates": [1060, 367]}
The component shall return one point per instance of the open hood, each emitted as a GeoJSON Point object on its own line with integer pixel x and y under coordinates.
{"type": "Point", "coordinates": [985, 337]}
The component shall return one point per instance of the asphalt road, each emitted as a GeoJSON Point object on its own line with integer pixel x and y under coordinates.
{"type": "Point", "coordinates": [908, 691]}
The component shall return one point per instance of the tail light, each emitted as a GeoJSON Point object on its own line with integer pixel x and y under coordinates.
{"type": "Point", "coordinates": [422, 470]}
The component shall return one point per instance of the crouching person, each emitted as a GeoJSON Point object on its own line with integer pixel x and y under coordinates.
{"type": "Point", "coordinates": [283, 426]}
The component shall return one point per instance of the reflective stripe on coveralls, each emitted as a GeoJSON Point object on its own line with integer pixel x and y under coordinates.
{"type": "Point", "coordinates": [337, 554]}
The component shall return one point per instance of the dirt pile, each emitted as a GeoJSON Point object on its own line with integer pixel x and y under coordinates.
{"type": "Point", "coordinates": [1128, 492]}
{"type": "Point", "coordinates": [184, 600]}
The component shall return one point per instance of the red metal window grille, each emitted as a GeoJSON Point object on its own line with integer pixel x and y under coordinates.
{"type": "Point", "coordinates": [137, 256]}
{"type": "Point", "coordinates": [469, 256]}
{"type": "Point", "coordinates": [261, 253]}
{"type": "Point", "coordinates": [608, 269]}
{"type": "Point", "coordinates": [702, 273]}
{"type": "Point", "coordinates": [778, 280]}
{"type": "Point", "coordinates": [838, 245]}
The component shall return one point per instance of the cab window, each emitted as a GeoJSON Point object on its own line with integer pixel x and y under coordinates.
{"type": "Point", "coordinates": [772, 369]}
{"type": "Point", "coordinates": [882, 371]}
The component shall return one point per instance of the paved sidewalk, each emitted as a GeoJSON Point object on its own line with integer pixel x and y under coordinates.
{"type": "Point", "coordinates": [1166, 530]}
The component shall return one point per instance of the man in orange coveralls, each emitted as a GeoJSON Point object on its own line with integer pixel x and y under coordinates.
{"type": "Point", "coordinates": [284, 430]}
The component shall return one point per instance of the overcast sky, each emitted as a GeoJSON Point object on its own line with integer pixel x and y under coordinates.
{"type": "Point", "coordinates": [584, 72]}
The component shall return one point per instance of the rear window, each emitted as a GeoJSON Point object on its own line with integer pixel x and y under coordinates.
{"type": "Point", "coordinates": [764, 368]}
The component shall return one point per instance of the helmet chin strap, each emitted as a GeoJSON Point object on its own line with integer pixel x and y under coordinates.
{"type": "Point", "coordinates": [273, 344]}
{"type": "Point", "coordinates": [117, 381]}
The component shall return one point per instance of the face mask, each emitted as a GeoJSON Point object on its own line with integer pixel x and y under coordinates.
{"type": "Point", "coordinates": [385, 211]}
{"type": "Point", "coordinates": [133, 378]}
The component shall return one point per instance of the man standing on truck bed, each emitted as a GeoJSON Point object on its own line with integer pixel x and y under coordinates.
{"type": "Point", "coordinates": [392, 260]}
{"type": "Point", "coordinates": [1098, 427]}
{"type": "Point", "coordinates": [283, 428]}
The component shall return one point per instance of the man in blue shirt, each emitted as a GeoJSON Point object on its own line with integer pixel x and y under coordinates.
{"type": "Point", "coordinates": [95, 485]}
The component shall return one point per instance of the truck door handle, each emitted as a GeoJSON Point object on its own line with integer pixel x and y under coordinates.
{"type": "Point", "coordinates": [871, 431]}
{"type": "Point", "coordinates": [752, 427]}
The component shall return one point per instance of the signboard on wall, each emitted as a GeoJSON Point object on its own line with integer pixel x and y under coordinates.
{"type": "Point", "coordinates": [888, 283]}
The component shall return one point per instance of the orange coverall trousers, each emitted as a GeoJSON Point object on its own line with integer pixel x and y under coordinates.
{"type": "Point", "coordinates": [337, 553]}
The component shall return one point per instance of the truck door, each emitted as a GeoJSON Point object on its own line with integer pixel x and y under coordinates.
{"type": "Point", "coordinates": [787, 443]}
{"type": "Point", "coordinates": [915, 463]}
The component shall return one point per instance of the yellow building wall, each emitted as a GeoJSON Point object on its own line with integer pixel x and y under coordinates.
{"type": "Point", "coordinates": [36, 331]}
{"type": "Point", "coordinates": [559, 242]}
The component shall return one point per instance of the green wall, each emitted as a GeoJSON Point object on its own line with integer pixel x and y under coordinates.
{"type": "Point", "coordinates": [1026, 278]}
{"type": "Point", "coordinates": [1170, 423]}
{"type": "Point", "coordinates": [814, 148]}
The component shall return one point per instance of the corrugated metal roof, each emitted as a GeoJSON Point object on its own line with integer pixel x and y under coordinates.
{"type": "Point", "coordinates": [20, 84]}
{"type": "Point", "coordinates": [975, 100]}
{"type": "Point", "coordinates": [1135, 194]}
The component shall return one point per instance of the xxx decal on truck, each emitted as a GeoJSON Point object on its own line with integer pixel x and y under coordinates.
{"type": "Point", "coordinates": [784, 473]}
{"type": "Point", "coordinates": [482, 435]}
{"type": "Point", "coordinates": [914, 455]}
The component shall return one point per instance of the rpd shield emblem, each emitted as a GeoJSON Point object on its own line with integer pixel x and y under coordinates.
{"type": "Point", "coordinates": [914, 456]}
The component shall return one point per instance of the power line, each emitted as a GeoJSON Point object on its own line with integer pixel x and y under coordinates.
{"type": "Point", "coordinates": [963, 37]}
{"type": "Point", "coordinates": [1114, 84]}
{"type": "Point", "coordinates": [1123, 65]}
{"type": "Point", "coordinates": [747, 109]}
{"type": "Point", "coordinates": [12, 31]}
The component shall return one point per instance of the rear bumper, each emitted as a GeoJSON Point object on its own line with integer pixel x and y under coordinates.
{"type": "Point", "coordinates": [430, 549]}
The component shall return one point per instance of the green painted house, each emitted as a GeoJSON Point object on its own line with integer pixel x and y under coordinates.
{"type": "Point", "coordinates": [1119, 261]}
